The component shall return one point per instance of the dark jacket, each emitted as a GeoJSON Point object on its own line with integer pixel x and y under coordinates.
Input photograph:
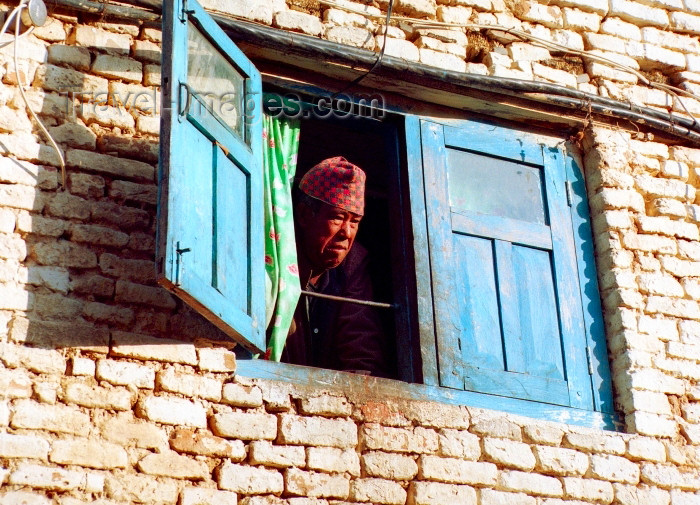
{"type": "Point", "coordinates": [339, 335]}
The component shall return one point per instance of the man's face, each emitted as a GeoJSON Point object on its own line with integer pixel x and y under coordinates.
{"type": "Point", "coordinates": [328, 235]}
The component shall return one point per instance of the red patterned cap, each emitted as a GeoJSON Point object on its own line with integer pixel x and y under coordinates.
{"type": "Point", "coordinates": [336, 182]}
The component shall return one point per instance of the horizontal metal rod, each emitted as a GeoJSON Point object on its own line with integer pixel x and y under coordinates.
{"type": "Point", "coordinates": [349, 300]}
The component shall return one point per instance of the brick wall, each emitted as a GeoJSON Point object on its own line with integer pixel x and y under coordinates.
{"type": "Point", "coordinates": [113, 392]}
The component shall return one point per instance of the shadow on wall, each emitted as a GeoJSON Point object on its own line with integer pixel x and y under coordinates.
{"type": "Point", "coordinates": [77, 263]}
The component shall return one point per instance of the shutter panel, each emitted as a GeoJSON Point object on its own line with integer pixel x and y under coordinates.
{"type": "Point", "coordinates": [210, 229]}
{"type": "Point", "coordinates": [505, 281]}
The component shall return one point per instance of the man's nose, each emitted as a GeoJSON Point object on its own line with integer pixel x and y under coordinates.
{"type": "Point", "coordinates": [346, 229]}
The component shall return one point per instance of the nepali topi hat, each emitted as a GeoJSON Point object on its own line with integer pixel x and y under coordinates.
{"type": "Point", "coordinates": [336, 182]}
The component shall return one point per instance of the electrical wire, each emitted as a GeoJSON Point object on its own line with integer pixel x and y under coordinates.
{"type": "Point", "coordinates": [62, 163]}
{"type": "Point", "coordinates": [379, 57]}
{"type": "Point", "coordinates": [673, 91]}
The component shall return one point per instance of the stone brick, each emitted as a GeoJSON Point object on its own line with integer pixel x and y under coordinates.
{"type": "Point", "coordinates": [652, 380]}
{"type": "Point", "coordinates": [389, 465]}
{"type": "Point", "coordinates": [44, 477]}
{"type": "Point", "coordinates": [652, 243]}
{"type": "Point", "coordinates": [685, 22]}
{"type": "Point", "coordinates": [298, 21]}
{"type": "Point", "coordinates": [647, 449]}
{"type": "Point", "coordinates": [132, 345]}
{"type": "Point", "coordinates": [498, 427]}
{"type": "Point", "coordinates": [92, 285]}
{"type": "Point", "coordinates": [23, 498]}
{"type": "Point", "coordinates": [325, 405]}
{"type": "Point", "coordinates": [90, 453]}
{"type": "Point", "coordinates": [108, 314]}
{"type": "Point", "coordinates": [97, 38]}
{"type": "Point", "coordinates": [121, 167]}
{"type": "Point", "coordinates": [98, 235]}
{"type": "Point", "coordinates": [55, 418]}
{"type": "Point", "coordinates": [23, 446]}
{"type": "Point", "coordinates": [659, 284]}
{"type": "Point", "coordinates": [66, 80]}
{"type": "Point", "coordinates": [123, 373]}
{"type": "Point", "coordinates": [130, 292]}
{"type": "Point", "coordinates": [126, 431]}
{"type": "Point", "coordinates": [14, 171]}
{"type": "Point", "coordinates": [15, 383]}
{"type": "Point", "coordinates": [249, 479]}
{"type": "Point", "coordinates": [199, 496]}
{"type": "Point", "coordinates": [491, 497]}
{"type": "Point", "coordinates": [39, 225]}
{"type": "Point", "coordinates": [172, 464]}
{"type": "Point", "coordinates": [399, 48]}
{"type": "Point", "coordinates": [313, 484]}
{"type": "Point", "coordinates": [317, 431]}
{"type": "Point", "coordinates": [668, 476]}
{"type": "Point", "coordinates": [547, 15]}
{"type": "Point", "coordinates": [666, 226]}
{"type": "Point", "coordinates": [21, 197]}
{"type": "Point", "coordinates": [588, 489]}
{"type": "Point", "coordinates": [530, 483]}
{"type": "Point", "coordinates": [133, 488]}
{"type": "Point", "coordinates": [669, 188]}
{"type": "Point", "coordinates": [333, 460]}
{"type": "Point", "coordinates": [245, 425]}
{"type": "Point", "coordinates": [377, 491]}
{"type": "Point", "coordinates": [554, 75]}
{"type": "Point", "coordinates": [219, 359]}
{"type": "Point", "coordinates": [98, 397]}
{"type": "Point", "coordinates": [189, 385]}
{"type": "Point", "coordinates": [125, 217]}
{"type": "Point", "coordinates": [172, 410]}
{"type": "Point", "coordinates": [459, 444]}
{"type": "Point", "coordinates": [441, 60]}
{"type": "Point", "coordinates": [131, 191]}
{"type": "Point", "coordinates": [670, 207]}
{"type": "Point", "coordinates": [560, 461]}
{"type": "Point", "coordinates": [86, 185]}
{"type": "Point", "coordinates": [204, 444]}
{"type": "Point", "coordinates": [76, 57]}
{"type": "Point", "coordinates": [49, 334]}
{"type": "Point", "coordinates": [351, 36]}
{"type": "Point", "coordinates": [509, 453]}
{"type": "Point", "coordinates": [673, 307]}
{"type": "Point", "coordinates": [143, 149]}
{"type": "Point", "coordinates": [638, 13]}
{"type": "Point", "coordinates": [544, 433]}
{"type": "Point", "coordinates": [457, 471]}
{"type": "Point", "coordinates": [48, 361]}
{"type": "Point", "coordinates": [653, 425]}
{"type": "Point", "coordinates": [148, 124]}
{"type": "Point", "coordinates": [640, 495]}
{"type": "Point", "coordinates": [106, 115]}
{"type": "Point", "coordinates": [145, 50]}
{"type": "Point", "coordinates": [82, 367]}
{"type": "Point", "coordinates": [436, 493]}
{"type": "Point", "coordinates": [262, 452]}
{"type": "Point", "coordinates": [241, 395]}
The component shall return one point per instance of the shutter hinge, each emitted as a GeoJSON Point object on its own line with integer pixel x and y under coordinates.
{"type": "Point", "coordinates": [178, 261]}
{"type": "Point", "coordinates": [588, 359]}
{"type": "Point", "coordinates": [184, 12]}
{"type": "Point", "coordinates": [569, 193]}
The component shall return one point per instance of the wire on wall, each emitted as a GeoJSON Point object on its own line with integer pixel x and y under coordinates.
{"type": "Point", "coordinates": [379, 57]}
{"type": "Point", "coordinates": [16, 15]}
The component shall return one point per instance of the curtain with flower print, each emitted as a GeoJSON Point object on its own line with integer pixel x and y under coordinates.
{"type": "Point", "coordinates": [281, 144]}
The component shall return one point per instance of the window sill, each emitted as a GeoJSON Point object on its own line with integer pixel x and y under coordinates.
{"type": "Point", "coordinates": [361, 388]}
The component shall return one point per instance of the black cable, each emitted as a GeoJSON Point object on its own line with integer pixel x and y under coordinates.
{"type": "Point", "coordinates": [379, 57]}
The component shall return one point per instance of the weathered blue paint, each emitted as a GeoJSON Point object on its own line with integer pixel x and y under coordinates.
{"type": "Point", "coordinates": [210, 246]}
{"type": "Point", "coordinates": [505, 290]}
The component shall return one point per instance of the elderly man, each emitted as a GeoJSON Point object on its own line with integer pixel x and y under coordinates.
{"type": "Point", "coordinates": [328, 333]}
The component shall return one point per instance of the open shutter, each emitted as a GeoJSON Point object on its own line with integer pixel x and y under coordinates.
{"type": "Point", "coordinates": [507, 303]}
{"type": "Point", "coordinates": [210, 239]}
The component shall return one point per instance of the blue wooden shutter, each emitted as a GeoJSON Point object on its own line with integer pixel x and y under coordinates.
{"type": "Point", "coordinates": [210, 223]}
{"type": "Point", "coordinates": [507, 303]}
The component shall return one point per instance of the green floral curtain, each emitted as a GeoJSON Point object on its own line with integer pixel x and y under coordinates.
{"type": "Point", "coordinates": [281, 144]}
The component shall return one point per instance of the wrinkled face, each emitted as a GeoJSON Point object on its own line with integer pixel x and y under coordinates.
{"type": "Point", "coordinates": [327, 235]}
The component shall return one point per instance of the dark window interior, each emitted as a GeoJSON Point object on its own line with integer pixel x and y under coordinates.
{"type": "Point", "coordinates": [375, 146]}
